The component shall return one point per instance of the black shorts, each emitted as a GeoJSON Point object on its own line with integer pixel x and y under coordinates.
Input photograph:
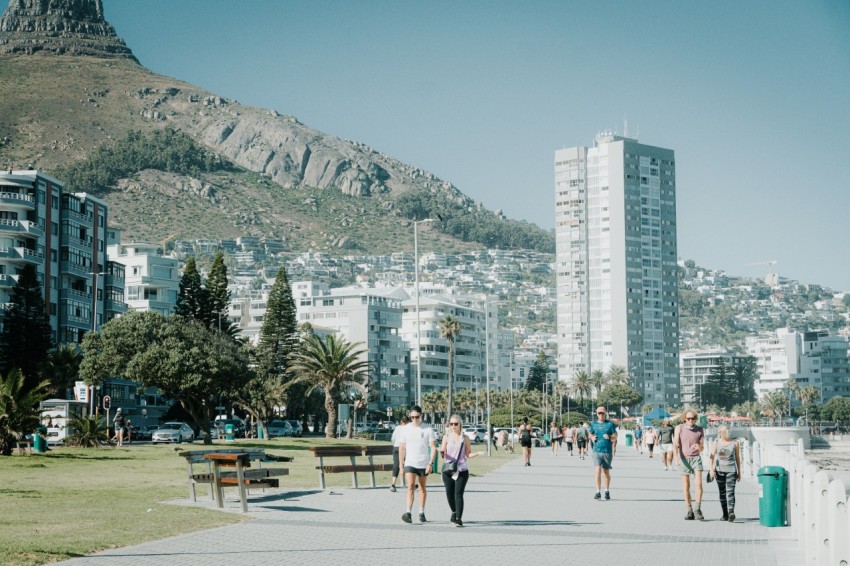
{"type": "Point", "coordinates": [418, 471]}
{"type": "Point", "coordinates": [582, 443]}
{"type": "Point", "coordinates": [525, 443]}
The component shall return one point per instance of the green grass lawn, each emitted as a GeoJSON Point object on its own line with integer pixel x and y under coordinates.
{"type": "Point", "coordinates": [71, 502]}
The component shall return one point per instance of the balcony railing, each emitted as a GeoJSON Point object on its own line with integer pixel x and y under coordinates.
{"type": "Point", "coordinates": [21, 227]}
{"type": "Point", "coordinates": [17, 199]}
{"type": "Point", "coordinates": [65, 294]}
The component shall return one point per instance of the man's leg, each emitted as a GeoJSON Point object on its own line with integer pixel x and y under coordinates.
{"type": "Point", "coordinates": [597, 473]}
{"type": "Point", "coordinates": [423, 493]}
{"type": "Point", "coordinates": [698, 488]}
{"type": "Point", "coordinates": [411, 487]}
{"type": "Point", "coordinates": [686, 488]}
{"type": "Point", "coordinates": [607, 479]}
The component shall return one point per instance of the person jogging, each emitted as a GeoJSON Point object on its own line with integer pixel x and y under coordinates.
{"type": "Point", "coordinates": [604, 436]}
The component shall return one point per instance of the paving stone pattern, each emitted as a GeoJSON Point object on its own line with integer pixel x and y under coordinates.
{"type": "Point", "coordinates": [545, 512]}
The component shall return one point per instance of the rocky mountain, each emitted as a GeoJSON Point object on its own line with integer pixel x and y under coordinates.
{"type": "Point", "coordinates": [71, 86]}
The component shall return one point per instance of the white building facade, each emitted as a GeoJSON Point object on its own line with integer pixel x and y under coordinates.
{"type": "Point", "coordinates": [151, 280]}
{"type": "Point", "coordinates": [616, 255]}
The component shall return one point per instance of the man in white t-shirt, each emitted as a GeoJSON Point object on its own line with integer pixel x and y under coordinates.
{"type": "Point", "coordinates": [417, 450]}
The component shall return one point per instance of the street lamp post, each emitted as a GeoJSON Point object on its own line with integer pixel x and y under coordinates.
{"type": "Point", "coordinates": [92, 404]}
{"type": "Point", "coordinates": [418, 329]}
{"type": "Point", "coordinates": [487, 367]}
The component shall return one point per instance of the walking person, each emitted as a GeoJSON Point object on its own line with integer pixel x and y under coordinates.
{"type": "Point", "coordinates": [581, 441]}
{"type": "Point", "coordinates": [665, 444]}
{"type": "Point", "coordinates": [396, 438]}
{"type": "Point", "coordinates": [688, 443]}
{"type": "Point", "coordinates": [417, 450]}
{"type": "Point", "coordinates": [725, 467]}
{"type": "Point", "coordinates": [525, 440]}
{"type": "Point", "coordinates": [119, 422]}
{"type": "Point", "coordinates": [604, 436]}
{"type": "Point", "coordinates": [649, 440]}
{"type": "Point", "coordinates": [555, 437]}
{"type": "Point", "coordinates": [639, 439]}
{"type": "Point", "coordinates": [456, 452]}
{"type": "Point", "coordinates": [569, 438]}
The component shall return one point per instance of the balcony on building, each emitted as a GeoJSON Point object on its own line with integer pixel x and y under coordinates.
{"type": "Point", "coordinates": [13, 200]}
{"type": "Point", "coordinates": [20, 227]}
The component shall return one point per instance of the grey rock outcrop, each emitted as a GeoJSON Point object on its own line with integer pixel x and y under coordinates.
{"type": "Point", "coordinates": [74, 27]}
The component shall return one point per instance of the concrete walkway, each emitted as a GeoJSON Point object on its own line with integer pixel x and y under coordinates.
{"type": "Point", "coordinates": [543, 513]}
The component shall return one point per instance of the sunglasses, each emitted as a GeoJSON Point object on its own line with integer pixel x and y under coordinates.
{"type": "Point", "coordinates": [600, 413]}
{"type": "Point", "coordinates": [454, 424]}
{"type": "Point", "coordinates": [415, 416]}
{"type": "Point", "coordinates": [690, 418]}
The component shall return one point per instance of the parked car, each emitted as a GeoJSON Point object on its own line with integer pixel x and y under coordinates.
{"type": "Point", "coordinates": [279, 428]}
{"type": "Point", "coordinates": [297, 429]}
{"type": "Point", "coordinates": [145, 432]}
{"type": "Point", "coordinates": [173, 432]}
{"type": "Point", "coordinates": [475, 433]}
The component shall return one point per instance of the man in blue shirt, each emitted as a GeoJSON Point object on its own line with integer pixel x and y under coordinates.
{"type": "Point", "coordinates": [604, 435]}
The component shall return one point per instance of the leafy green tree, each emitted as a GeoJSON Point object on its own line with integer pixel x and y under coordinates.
{"type": "Point", "coordinates": [332, 366]}
{"type": "Point", "coordinates": [192, 301]}
{"type": "Point", "coordinates": [836, 409]}
{"type": "Point", "coordinates": [190, 363]}
{"type": "Point", "coordinates": [26, 337]}
{"type": "Point", "coordinates": [620, 396]}
{"type": "Point", "coordinates": [218, 297]}
{"type": "Point", "coordinates": [846, 301]}
{"type": "Point", "coordinates": [775, 405]}
{"type": "Point", "coordinates": [18, 408]}
{"type": "Point", "coordinates": [450, 330]}
{"type": "Point", "coordinates": [538, 374]}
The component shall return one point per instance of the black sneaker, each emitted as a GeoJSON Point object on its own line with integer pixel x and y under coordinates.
{"type": "Point", "coordinates": [453, 518]}
{"type": "Point", "coordinates": [690, 515]}
{"type": "Point", "coordinates": [597, 495]}
{"type": "Point", "coordinates": [725, 517]}
{"type": "Point", "coordinates": [392, 488]}
{"type": "Point", "coordinates": [458, 523]}
{"type": "Point", "coordinates": [422, 518]}
{"type": "Point", "coordinates": [407, 518]}
{"type": "Point", "coordinates": [732, 517]}
{"type": "Point", "coordinates": [607, 496]}
{"type": "Point", "coordinates": [698, 514]}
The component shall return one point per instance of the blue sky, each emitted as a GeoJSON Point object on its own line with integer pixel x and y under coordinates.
{"type": "Point", "coordinates": [752, 96]}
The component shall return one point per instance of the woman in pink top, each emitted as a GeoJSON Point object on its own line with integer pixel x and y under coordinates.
{"type": "Point", "coordinates": [455, 448]}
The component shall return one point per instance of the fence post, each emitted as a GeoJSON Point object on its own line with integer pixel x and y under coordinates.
{"type": "Point", "coordinates": [821, 530]}
{"type": "Point", "coordinates": [839, 527]}
{"type": "Point", "coordinates": [809, 490]}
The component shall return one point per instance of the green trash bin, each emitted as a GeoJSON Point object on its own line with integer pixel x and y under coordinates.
{"type": "Point", "coordinates": [630, 440]}
{"type": "Point", "coordinates": [39, 440]}
{"type": "Point", "coordinates": [228, 431]}
{"type": "Point", "coordinates": [773, 493]}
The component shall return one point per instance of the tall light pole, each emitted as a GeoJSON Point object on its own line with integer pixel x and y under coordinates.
{"type": "Point", "coordinates": [512, 399]}
{"type": "Point", "coordinates": [92, 406]}
{"type": "Point", "coordinates": [418, 329]}
{"type": "Point", "coordinates": [487, 367]}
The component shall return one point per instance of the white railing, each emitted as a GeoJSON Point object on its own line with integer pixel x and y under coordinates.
{"type": "Point", "coordinates": [817, 506]}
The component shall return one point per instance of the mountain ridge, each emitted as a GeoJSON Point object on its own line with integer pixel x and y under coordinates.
{"type": "Point", "coordinates": [99, 95]}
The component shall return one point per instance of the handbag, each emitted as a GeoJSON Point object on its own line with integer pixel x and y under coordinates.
{"type": "Point", "coordinates": [451, 467]}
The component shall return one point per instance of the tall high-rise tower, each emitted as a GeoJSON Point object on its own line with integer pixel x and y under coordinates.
{"type": "Point", "coordinates": [615, 227]}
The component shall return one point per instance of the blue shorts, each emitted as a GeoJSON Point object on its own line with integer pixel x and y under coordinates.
{"type": "Point", "coordinates": [603, 459]}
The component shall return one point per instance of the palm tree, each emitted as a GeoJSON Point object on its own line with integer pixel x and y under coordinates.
{"type": "Point", "coordinates": [581, 386]}
{"type": "Point", "coordinates": [63, 368]}
{"type": "Point", "coordinates": [18, 408]}
{"type": "Point", "coordinates": [806, 395]}
{"type": "Point", "coordinates": [562, 389]}
{"type": "Point", "coordinates": [597, 378]}
{"type": "Point", "coordinates": [450, 329]}
{"type": "Point", "coordinates": [432, 402]}
{"type": "Point", "coordinates": [332, 366]}
{"type": "Point", "coordinates": [617, 375]}
{"type": "Point", "coordinates": [775, 403]}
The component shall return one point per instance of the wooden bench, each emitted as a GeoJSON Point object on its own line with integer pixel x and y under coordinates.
{"type": "Point", "coordinates": [196, 457]}
{"type": "Point", "coordinates": [352, 453]}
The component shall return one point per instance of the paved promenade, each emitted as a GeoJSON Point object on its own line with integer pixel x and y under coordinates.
{"type": "Point", "coordinates": [541, 514]}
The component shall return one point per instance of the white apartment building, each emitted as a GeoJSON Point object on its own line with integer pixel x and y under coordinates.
{"type": "Point", "coordinates": [617, 287]}
{"type": "Point", "coordinates": [151, 280]}
{"type": "Point", "coordinates": [372, 318]}
{"type": "Point", "coordinates": [777, 358]}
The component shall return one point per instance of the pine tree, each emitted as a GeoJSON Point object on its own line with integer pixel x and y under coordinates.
{"type": "Point", "coordinates": [191, 298]}
{"type": "Point", "coordinates": [538, 374]}
{"type": "Point", "coordinates": [218, 296]}
{"type": "Point", "coordinates": [279, 333]}
{"type": "Point", "coordinates": [26, 337]}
